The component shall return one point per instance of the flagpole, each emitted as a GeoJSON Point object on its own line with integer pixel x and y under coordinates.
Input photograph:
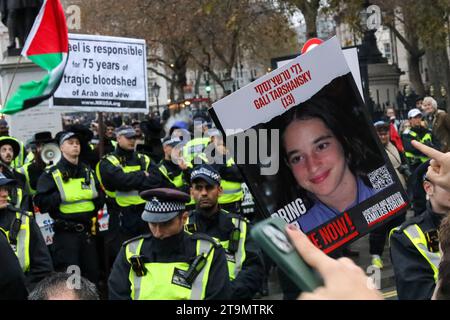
{"type": "Point", "coordinates": [101, 145]}
{"type": "Point", "coordinates": [12, 80]}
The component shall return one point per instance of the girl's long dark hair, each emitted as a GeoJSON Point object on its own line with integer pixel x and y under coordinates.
{"type": "Point", "coordinates": [342, 125]}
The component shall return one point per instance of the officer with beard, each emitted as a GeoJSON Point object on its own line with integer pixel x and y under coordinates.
{"type": "Point", "coordinates": [244, 259]}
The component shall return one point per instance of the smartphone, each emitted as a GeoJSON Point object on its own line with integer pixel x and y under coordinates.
{"type": "Point", "coordinates": [271, 236]}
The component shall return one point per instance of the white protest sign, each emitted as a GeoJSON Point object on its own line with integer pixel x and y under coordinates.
{"type": "Point", "coordinates": [104, 74]}
{"type": "Point", "coordinates": [23, 125]}
{"type": "Point", "coordinates": [351, 55]}
{"type": "Point", "coordinates": [45, 223]}
{"type": "Point", "coordinates": [285, 87]}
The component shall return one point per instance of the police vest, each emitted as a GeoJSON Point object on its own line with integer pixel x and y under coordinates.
{"type": "Point", "coordinates": [177, 181]}
{"type": "Point", "coordinates": [415, 158]}
{"type": "Point", "coordinates": [418, 239]}
{"type": "Point", "coordinates": [194, 147]}
{"type": "Point", "coordinates": [234, 247]}
{"type": "Point", "coordinates": [125, 198]}
{"type": "Point", "coordinates": [77, 194]}
{"type": "Point", "coordinates": [24, 170]}
{"type": "Point", "coordinates": [114, 143]}
{"type": "Point", "coordinates": [22, 247]}
{"type": "Point", "coordinates": [232, 191]}
{"type": "Point", "coordinates": [164, 281]}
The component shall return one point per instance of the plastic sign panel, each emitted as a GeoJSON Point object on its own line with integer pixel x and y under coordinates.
{"type": "Point", "coordinates": [307, 148]}
{"type": "Point", "coordinates": [104, 74]}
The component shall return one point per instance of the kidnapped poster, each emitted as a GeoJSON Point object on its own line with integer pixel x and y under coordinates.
{"type": "Point", "coordinates": [306, 146]}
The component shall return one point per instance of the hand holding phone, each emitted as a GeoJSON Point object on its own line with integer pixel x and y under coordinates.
{"type": "Point", "coordinates": [270, 234]}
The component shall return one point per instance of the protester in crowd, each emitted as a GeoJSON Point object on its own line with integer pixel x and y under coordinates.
{"type": "Point", "coordinates": [9, 149]}
{"type": "Point", "coordinates": [394, 127]}
{"type": "Point", "coordinates": [19, 159]}
{"type": "Point", "coordinates": [169, 263]}
{"type": "Point", "coordinates": [377, 238]}
{"type": "Point", "coordinates": [33, 169]}
{"type": "Point", "coordinates": [64, 286]}
{"type": "Point", "coordinates": [438, 122]}
{"type": "Point", "coordinates": [343, 279]}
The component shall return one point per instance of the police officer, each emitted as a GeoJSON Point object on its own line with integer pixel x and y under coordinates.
{"type": "Point", "coordinates": [12, 279]}
{"type": "Point", "coordinates": [419, 133]}
{"type": "Point", "coordinates": [169, 263]}
{"type": "Point", "coordinates": [245, 264]}
{"type": "Point", "coordinates": [201, 140]}
{"type": "Point", "coordinates": [415, 247]}
{"type": "Point", "coordinates": [170, 167]}
{"type": "Point", "coordinates": [123, 174]}
{"type": "Point", "coordinates": [32, 170]}
{"type": "Point", "coordinates": [231, 179]}
{"type": "Point", "coordinates": [24, 236]}
{"type": "Point", "coordinates": [9, 149]}
{"type": "Point", "coordinates": [70, 193]}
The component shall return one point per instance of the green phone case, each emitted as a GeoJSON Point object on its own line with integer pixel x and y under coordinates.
{"type": "Point", "coordinates": [271, 236]}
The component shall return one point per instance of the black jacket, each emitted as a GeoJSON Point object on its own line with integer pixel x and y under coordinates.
{"type": "Point", "coordinates": [408, 138]}
{"type": "Point", "coordinates": [40, 260]}
{"type": "Point", "coordinates": [178, 248]}
{"type": "Point", "coordinates": [413, 274]}
{"type": "Point", "coordinates": [114, 179]}
{"type": "Point", "coordinates": [173, 170]}
{"type": "Point", "coordinates": [48, 199]}
{"type": "Point", "coordinates": [12, 279]}
{"type": "Point", "coordinates": [220, 226]}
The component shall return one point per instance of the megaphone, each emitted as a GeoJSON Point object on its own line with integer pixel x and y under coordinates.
{"type": "Point", "coordinates": [50, 153]}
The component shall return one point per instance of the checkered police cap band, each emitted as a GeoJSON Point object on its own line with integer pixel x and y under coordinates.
{"type": "Point", "coordinates": [126, 132]}
{"type": "Point", "coordinates": [205, 172]}
{"type": "Point", "coordinates": [157, 206]}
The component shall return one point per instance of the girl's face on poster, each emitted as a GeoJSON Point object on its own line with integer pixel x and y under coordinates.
{"type": "Point", "coordinates": [315, 156]}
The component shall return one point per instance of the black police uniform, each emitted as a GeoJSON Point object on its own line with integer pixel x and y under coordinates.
{"type": "Point", "coordinates": [178, 248]}
{"type": "Point", "coordinates": [173, 170]}
{"type": "Point", "coordinates": [12, 279]}
{"type": "Point", "coordinates": [113, 178]}
{"type": "Point", "coordinates": [413, 274]}
{"type": "Point", "coordinates": [40, 260]}
{"type": "Point", "coordinates": [220, 226]}
{"type": "Point", "coordinates": [25, 203]}
{"type": "Point", "coordinates": [73, 242]}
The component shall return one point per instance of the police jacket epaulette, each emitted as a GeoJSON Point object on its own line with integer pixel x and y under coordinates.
{"type": "Point", "coordinates": [414, 220]}
{"type": "Point", "coordinates": [202, 236]}
{"type": "Point", "coordinates": [234, 215]}
{"type": "Point", "coordinates": [142, 236]}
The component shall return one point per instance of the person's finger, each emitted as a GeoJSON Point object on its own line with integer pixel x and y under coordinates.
{"type": "Point", "coordinates": [316, 295]}
{"type": "Point", "coordinates": [434, 163]}
{"type": "Point", "coordinates": [428, 151]}
{"type": "Point", "coordinates": [313, 256]}
{"type": "Point", "coordinates": [432, 175]}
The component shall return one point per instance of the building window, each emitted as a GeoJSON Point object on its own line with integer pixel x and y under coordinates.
{"type": "Point", "coordinates": [387, 50]}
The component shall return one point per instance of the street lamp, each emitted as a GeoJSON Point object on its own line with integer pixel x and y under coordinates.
{"type": "Point", "coordinates": [227, 84]}
{"type": "Point", "coordinates": [155, 90]}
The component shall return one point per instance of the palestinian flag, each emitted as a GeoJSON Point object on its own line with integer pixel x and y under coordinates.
{"type": "Point", "coordinates": [47, 46]}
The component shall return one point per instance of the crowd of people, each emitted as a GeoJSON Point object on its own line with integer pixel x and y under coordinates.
{"type": "Point", "coordinates": [176, 229]}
